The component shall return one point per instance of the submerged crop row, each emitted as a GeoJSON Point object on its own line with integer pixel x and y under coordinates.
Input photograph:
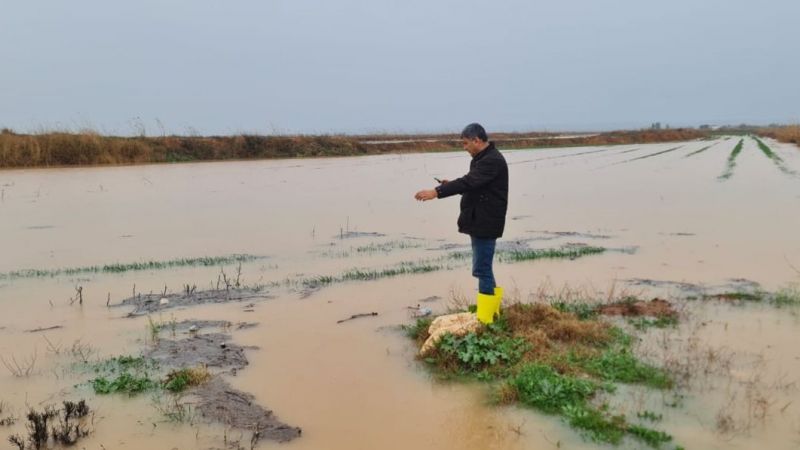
{"type": "Point", "coordinates": [127, 267]}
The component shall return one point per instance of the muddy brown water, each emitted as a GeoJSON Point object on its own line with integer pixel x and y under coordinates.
{"type": "Point", "coordinates": [356, 384]}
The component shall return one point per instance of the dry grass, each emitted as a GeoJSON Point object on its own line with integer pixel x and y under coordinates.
{"type": "Point", "coordinates": [90, 148]}
{"type": "Point", "coordinates": [789, 133]}
{"type": "Point", "coordinates": [546, 325]}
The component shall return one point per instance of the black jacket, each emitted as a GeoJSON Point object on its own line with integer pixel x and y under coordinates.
{"type": "Point", "coordinates": [484, 194]}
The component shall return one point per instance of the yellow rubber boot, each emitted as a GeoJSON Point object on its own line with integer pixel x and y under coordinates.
{"type": "Point", "coordinates": [487, 307]}
{"type": "Point", "coordinates": [498, 292]}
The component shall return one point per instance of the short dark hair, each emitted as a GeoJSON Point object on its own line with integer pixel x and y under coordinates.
{"type": "Point", "coordinates": [474, 130]}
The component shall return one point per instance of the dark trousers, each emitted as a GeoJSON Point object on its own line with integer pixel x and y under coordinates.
{"type": "Point", "coordinates": [482, 256]}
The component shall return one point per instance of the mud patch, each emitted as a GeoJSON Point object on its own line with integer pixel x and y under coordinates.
{"type": "Point", "coordinates": [210, 350]}
{"type": "Point", "coordinates": [150, 303]}
{"type": "Point", "coordinates": [219, 402]}
{"type": "Point", "coordinates": [655, 308]}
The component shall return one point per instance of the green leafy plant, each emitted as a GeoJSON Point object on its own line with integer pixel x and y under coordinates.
{"type": "Point", "coordinates": [474, 352]}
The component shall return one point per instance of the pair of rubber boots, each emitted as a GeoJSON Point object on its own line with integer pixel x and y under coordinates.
{"type": "Point", "coordinates": [489, 305]}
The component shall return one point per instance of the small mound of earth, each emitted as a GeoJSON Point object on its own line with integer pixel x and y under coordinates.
{"type": "Point", "coordinates": [655, 308]}
{"type": "Point", "coordinates": [150, 303]}
{"type": "Point", "coordinates": [218, 401]}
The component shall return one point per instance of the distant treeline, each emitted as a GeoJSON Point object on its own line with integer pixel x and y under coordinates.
{"type": "Point", "coordinates": [89, 148]}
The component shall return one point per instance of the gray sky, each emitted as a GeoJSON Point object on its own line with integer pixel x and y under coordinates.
{"type": "Point", "coordinates": [306, 66]}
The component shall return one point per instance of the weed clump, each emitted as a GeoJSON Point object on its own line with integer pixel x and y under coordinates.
{"type": "Point", "coordinates": [135, 375]}
{"type": "Point", "coordinates": [181, 379]}
{"type": "Point", "coordinates": [65, 426]}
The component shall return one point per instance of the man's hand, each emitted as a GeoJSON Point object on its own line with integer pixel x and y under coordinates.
{"type": "Point", "coordinates": [427, 194]}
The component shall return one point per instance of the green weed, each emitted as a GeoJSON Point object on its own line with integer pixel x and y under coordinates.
{"type": "Point", "coordinates": [474, 352]}
{"type": "Point", "coordinates": [125, 382]}
{"type": "Point", "coordinates": [653, 438]}
{"type": "Point", "coordinates": [419, 329]}
{"type": "Point", "coordinates": [789, 296]}
{"type": "Point", "coordinates": [596, 424]}
{"type": "Point", "coordinates": [619, 364]}
{"type": "Point", "coordinates": [541, 387]}
{"type": "Point", "coordinates": [571, 252]}
{"type": "Point", "coordinates": [650, 415]}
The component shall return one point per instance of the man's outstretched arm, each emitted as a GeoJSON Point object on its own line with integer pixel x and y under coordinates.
{"type": "Point", "coordinates": [482, 173]}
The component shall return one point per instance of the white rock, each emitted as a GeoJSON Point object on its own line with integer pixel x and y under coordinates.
{"type": "Point", "coordinates": [455, 324]}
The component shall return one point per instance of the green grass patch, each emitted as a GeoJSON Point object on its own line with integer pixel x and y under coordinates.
{"type": "Point", "coordinates": [653, 438]}
{"type": "Point", "coordinates": [620, 364]}
{"type": "Point", "coordinates": [567, 252]}
{"type": "Point", "coordinates": [541, 387]}
{"type": "Point", "coordinates": [596, 423]}
{"type": "Point", "coordinates": [789, 296]}
{"type": "Point", "coordinates": [134, 375]}
{"type": "Point", "coordinates": [124, 383]}
{"type": "Point", "coordinates": [128, 267]}
{"type": "Point", "coordinates": [372, 249]}
{"type": "Point", "coordinates": [731, 163]}
{"type": "Point", "coordinates": [403, 268]}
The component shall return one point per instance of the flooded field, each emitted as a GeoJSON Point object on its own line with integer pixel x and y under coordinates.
{"type": "Point", "coordinates": [285, 250]}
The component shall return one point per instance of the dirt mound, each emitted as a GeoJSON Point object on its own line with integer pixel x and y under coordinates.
{"type": "Point", "coordinates": [210, 350]}
{"type": "Point", "coordinates": [150, 303]}
{"type": "Point", "coordinates": [655, 308]}
{"type": "Point", "coordinates": [222, 403]}
{"type": "Point", "coordinates": [217, 400]}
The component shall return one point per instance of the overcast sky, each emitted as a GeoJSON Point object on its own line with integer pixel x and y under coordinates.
{"type": "Point", "coordinates": [289, 66]}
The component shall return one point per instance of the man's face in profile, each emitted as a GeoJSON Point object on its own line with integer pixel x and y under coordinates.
{"type": "Point", "coordinates": [472, 146]}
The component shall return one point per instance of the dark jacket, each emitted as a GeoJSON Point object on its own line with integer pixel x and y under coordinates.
{"type": "Point", "coordinates": [484, 194]}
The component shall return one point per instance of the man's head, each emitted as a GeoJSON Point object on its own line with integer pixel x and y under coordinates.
{"type": "Point", "coordinates": [474, 138]}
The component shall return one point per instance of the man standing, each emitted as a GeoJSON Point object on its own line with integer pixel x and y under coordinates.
{"type": "Point", "coordinates": [484, 201]}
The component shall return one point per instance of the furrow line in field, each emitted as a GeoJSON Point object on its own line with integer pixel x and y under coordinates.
{"type": "Point", "coordinates": [732, 161]}
{"type": "Point", "coordinates": [779, 162]}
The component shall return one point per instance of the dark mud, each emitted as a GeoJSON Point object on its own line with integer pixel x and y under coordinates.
{"type": "Point", "coordinates": [209, 350]}
{"type": "Point", "coordinates": [151, 303]}
{"type": "Point", "coordinates": [217, 400]}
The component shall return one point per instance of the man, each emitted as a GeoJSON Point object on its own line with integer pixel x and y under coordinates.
{"type": "Point", "coordinates": [484, 201]}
